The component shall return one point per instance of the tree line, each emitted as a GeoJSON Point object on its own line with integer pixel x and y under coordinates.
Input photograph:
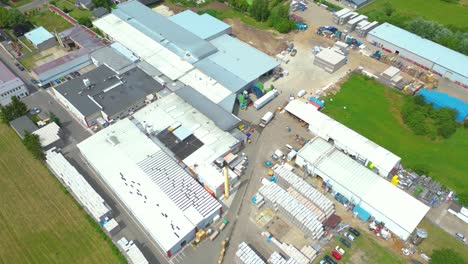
{"type": "Point", "coordinates": [275, 13]}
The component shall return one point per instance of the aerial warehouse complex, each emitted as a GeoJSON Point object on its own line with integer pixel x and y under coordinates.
{"type": "Point", "coordinates": [187, 49]}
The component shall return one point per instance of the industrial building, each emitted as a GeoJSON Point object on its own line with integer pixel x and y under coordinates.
{"type": "Point", "coordinates": [104, 94]}
{"type": "Point", "coordinates": [80, 43]}
{"type": "Point", "coordinates": [10, 85]}
{"type": "Point", "coordinates": [112, 58]}
{"type": "Point", "coordinates": [166, 200]}
{"type": "Point", "coordinates": [329, 60]}
{"type": "Point", "coordinates": [400, 212]}
{"type": "Point", "coordinates": [192, 138]}
{"type": "Point", "coordinates": [422, 52]}
{"type": "Point", "coordinates": [41, 38]}
{"type": "Point", "coordinates": [383, 161]}
{"type": "Point", "coordinates": [195, 50]}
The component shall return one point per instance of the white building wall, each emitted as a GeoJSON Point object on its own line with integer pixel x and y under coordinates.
{"type": "Point", "coordinates": [6, 95]}
{"type": "Point", "coordinates": [70, 107]}
{"type": "Point", "coordinates": [404, 53]}
{"type": "Point", "coordinates": [394, 227]}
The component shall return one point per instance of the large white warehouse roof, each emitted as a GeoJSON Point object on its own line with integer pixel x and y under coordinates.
{"type": "Point", "coordinates": [401, 208]}
{"type": "Point", "coordinates": [422, 47]}
{"type": "Point", "coordinates": [344, 137]}
{"type": "Point", "coordinates": [165, 198]}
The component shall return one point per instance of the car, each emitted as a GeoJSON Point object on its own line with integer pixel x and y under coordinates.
{"type": "Point", "coordinates": [33, 81]}
{"type": "Point", "coordinates": [345, 242]}
{"type": "Point", "coordinates": [335, 254]}
{"type": "Point", "coordinates": [354, 231]}
{"type": "Point", "coordinates": [330, 260]}
{"type": "Point", "coordinates": [323, 261]}
{"type": "Point", "coordinates": [340, 250]}
{"type": "Point", "coordinates": [349, 236]}
{"type": "Point", "coordinates": [460, 236]}
{"type": "Point", "coordinates": [293, 52]}
{"type": "Point", "coordinates": [77, 73]}
{"type": "Point", "coordinates": [34, 111]}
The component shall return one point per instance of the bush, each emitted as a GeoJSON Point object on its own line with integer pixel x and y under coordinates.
{"type": "Point", "coordinates": [33, 144]}
{"type": "Point", "coordinates": [465, 125]}
{"type": "Point", "coordinates": [420, 169]}
{"type": "Point", "coordinates": [13, 110]}
{"type": "Point", "coordinates": [423, 119]}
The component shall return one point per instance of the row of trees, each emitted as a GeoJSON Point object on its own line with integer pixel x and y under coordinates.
{"type": "Point", "coordinates": [453, 39]}
{"type": "Point", "coordinates": [424, 120]}
{"type": "Point", "coordinates": [275, 12]}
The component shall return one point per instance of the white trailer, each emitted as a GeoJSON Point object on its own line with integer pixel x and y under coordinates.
{"type": "Point", "coordinates": [266, 119]}
{"type": "Point", "coordinates": [265, 99]}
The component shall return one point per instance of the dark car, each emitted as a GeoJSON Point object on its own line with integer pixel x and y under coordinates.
{"type": "Point", "coordinates": [330, 260]}
{"type": "Point", "coordinates": [354, 231]}
{"type": "Point", "coordinates": [345, 242]}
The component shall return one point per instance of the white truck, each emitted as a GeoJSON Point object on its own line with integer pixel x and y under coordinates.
{"type": "Point", "coordinates": [266, 119]}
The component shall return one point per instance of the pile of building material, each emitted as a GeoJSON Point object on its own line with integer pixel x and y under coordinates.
{"type": "Point", "coordinates": [362, 31]}
{"type": "Point", "coordinates": [246, 255]}
{"type": "Point", "coordinates": [288, 179]}
{"type": "Point", "coordinates": [351, 25]}
{"type": "Point", "coordinates": [276, 258]}
{"type": "Point", "coordinates": [77, 184]}
{"type": "Point", "coordinates": [341, 47]}
{"type": "Point", "coordinates": [321, 216]}
{"type": "Point", "coordinates": [132, 252]}
{"type": "Point", "coordinates": [391, 76]}
{"type": "Point", "coordinates": [329, 60]}
{"type": "Point", "coordinates": [343, 16]}
{"type": "Point", "coordinates": [295, 212]}
{"type": "Point", "coordinates": [295, 254]}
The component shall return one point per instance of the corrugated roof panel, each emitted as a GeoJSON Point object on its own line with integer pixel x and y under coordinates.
{"type": "Point", "coordinates": [432, 51]}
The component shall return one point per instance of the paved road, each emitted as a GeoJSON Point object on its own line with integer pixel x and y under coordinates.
{"type": "Point", "coordinates": [32, 5]}
{"type": "Point", "coordinates": [6, 58]}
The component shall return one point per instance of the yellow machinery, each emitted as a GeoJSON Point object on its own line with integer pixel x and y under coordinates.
{"type": "Point", "coordinates": [200, 235]}
{"type": "Point", "coordinates": [224, 244]}
{"type": "Point", "coordinates": [226, 183]}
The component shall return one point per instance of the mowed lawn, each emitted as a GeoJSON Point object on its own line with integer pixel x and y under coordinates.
{"type": "Point", "coordinates": [39, 222]}
{"type": "Point", "coordinates": [373, 110]}
{"type": "Point", "coordinates": [437, 10]}
{"type": "Point", "coordinates": [50, 21]}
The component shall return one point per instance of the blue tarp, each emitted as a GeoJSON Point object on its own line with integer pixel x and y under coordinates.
{"type": "Point", "coordinates": [361, 213]}
{"type": "Point", "coordinates": [317, 101]}
{"type": "Point", "coordinates": [440, 100]}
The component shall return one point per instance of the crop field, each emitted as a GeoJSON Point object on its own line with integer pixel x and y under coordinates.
{"type": "Point", "coordinates": [373, 110]}
{"type": "Point", "coordinates": [39, 221]}
{"type": "Point", "coordinates": [444, 12]}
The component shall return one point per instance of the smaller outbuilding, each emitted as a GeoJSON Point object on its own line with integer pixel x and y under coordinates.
{"type": "Point", "coordinates": [99, 12]}
{"type": "Point", "coordinates": [41, 38]}
{"type": "Point", "coordinates": [23, 124]}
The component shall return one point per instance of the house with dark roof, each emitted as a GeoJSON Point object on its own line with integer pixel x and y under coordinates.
{"type": "Point", "coordinates": [23, 124]}
{"type": "Point", "coordinates": [104, 94]}
{"type": "Point", "coordinates": [99, 12]}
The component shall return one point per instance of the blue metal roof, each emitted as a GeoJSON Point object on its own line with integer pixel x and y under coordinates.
{"type": "Point", "coordinates": [38, 35]}
{"type": "Point", "coordinates": [445, 57]}
{"type": "Point", "coordinates": [204, 26]}
{"type": "Point", "coordinates": [223, 76]}
{"type": "Point", "coordinates": [242, 60]}
{"type": "Point", "coordinates": [174, 37]}
{"type": "Point", "coordinates": [440, 100]}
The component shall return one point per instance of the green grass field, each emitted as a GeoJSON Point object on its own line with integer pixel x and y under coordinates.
{"type": "Point", "coordinates": [50, 21]}
{"type": "Point", "coordinates": [438, 238]}
{"type": "Point", "coordinates": [437, 10]}
{"type": "Point", "coordinates": [39, 221]}
{"type": "Point", "coordinates": [373, 110]}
